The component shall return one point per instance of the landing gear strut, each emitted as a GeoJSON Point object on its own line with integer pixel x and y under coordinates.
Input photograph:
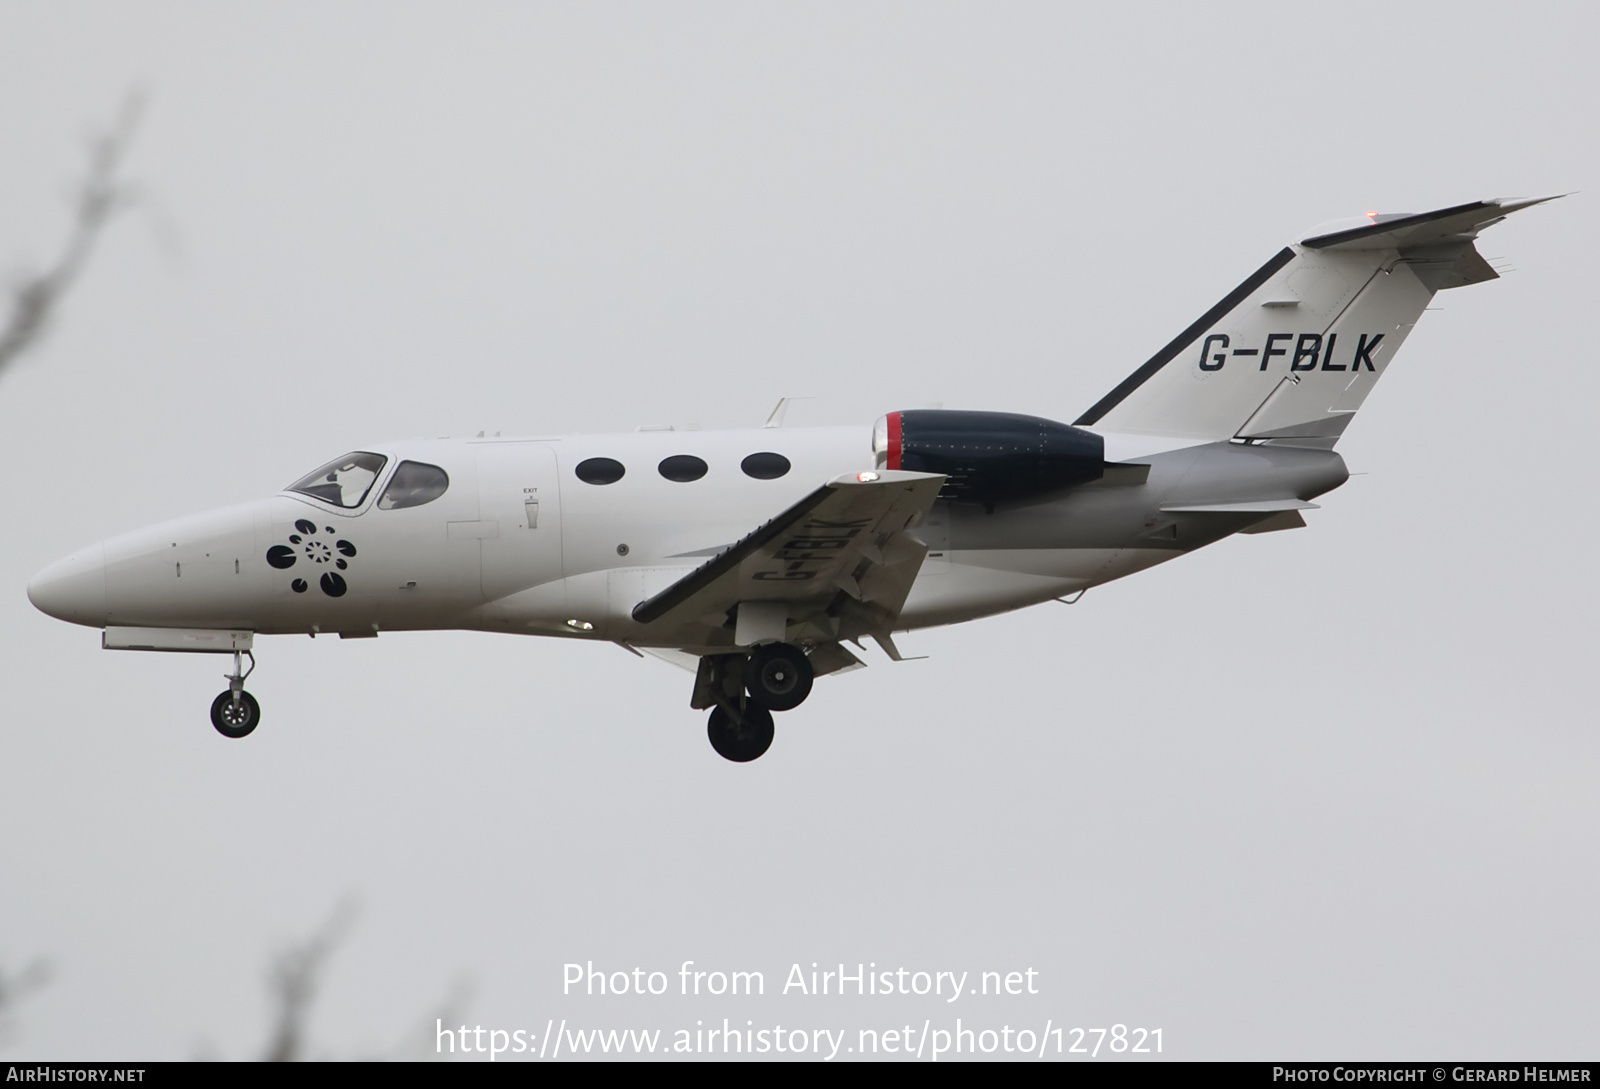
{"type": "Point", "coordinates": [235, 713]}
{"type": "Point", "coordinates": [742, 692]}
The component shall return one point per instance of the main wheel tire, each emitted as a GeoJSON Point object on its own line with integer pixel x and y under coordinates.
{"type": "Point", "coordinates": [740, 742]}
{"type": "Point", "coordinates": [778, 676]}
{"type": "Point", "coordinates": [235, 719]}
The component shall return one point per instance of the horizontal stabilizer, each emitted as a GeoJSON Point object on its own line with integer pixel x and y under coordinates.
{"type": "Point", "coordinates": [1399, 231]}
{"type": "Point", "coordinates": [1288, 519]}
{"type": "Point", "coordinates": [1120, 475]}
{"type": "Point", "coordinates": [1265, 506]}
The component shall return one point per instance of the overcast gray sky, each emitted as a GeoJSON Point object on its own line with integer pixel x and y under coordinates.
{"type": "Point", "coordinates": [1321, 794]}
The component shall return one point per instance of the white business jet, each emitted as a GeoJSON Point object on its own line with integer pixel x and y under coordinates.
{"type": "Point", "coordinates": [759, 558]}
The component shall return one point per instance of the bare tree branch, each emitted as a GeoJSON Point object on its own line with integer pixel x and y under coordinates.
{"type": "Point", "coordinates": [421, 1043]}
{"type": "Point", "coordinates": [101, 196]}
{"type": "Point", "coordinates": [294, 981]}
{"type": "Point", "coordinates": [14, 986]}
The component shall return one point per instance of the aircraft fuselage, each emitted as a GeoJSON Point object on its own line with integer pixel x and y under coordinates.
{"type": "Point", "coordinates": [517, 542]}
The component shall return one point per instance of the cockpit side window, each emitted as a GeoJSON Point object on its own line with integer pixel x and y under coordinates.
{"type": "Point", "coordinates": [344, 482]}
{"type": "Point", "coordinates": [414, 483]}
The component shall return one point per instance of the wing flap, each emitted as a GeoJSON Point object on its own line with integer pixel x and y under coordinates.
{"type": "Point", "coordinates": [840, 553]}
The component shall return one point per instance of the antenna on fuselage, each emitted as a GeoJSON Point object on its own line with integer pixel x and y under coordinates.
{"type": "Point", "coordinates": [776, 419]}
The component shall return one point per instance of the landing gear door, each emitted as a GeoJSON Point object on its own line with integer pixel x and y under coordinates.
{"type": "Point", "coordinates": [517, 489]}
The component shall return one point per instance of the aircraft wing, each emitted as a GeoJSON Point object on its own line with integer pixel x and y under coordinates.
{"type": "Point", "coordinates": [836, 565]}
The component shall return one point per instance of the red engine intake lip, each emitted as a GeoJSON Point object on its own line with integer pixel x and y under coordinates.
{"type": "Point", "coordinates": [893, 459]}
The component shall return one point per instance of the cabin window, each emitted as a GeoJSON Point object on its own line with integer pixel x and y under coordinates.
{"type": "Point", "coordinates": [599, 471]}
{"type": "Point", "coordinates": [345, 482]}
{"type": "Point", "coordinates": [765, 465]}
{"type": "Point", "coordinates": [413, 484]}
{"type": "Point", "coordinates": [682, 468]}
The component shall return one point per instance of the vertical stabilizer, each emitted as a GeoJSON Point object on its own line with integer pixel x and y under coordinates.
{"type": "Point", "coordinates": [1291, 353]}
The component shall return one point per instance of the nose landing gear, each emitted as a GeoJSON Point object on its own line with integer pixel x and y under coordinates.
{"type": "Point", "coordinates": [235, 713]}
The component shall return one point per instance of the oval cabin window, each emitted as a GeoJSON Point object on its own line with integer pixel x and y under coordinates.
{"type": "Point", "coordinates": [599, 471]}
{"type": "Point", "coordinates": [682, 468]}
{"type": "Point", "coordinates": [765, 465]}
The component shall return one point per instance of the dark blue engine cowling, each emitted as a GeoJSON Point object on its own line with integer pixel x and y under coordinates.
{"type": "Point", "coordinates": [990, 457]}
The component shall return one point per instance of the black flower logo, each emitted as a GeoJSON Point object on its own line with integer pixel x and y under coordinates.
{"type": "Point", "coordinates": [308, 545]}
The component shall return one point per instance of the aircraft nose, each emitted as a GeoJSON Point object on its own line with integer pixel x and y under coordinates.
{"type": "Point", "coordinates": [73, 589]}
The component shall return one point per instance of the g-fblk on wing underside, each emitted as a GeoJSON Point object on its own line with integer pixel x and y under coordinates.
{"type": "Point", "coordinates": [763, 559]}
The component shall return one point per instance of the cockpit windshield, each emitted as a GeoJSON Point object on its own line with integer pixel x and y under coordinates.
{"type": "Point", "coordinates": [344, 482]}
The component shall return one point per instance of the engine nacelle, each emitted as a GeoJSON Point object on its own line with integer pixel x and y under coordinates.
{"type": "Point", "coordinates": [989, 457]}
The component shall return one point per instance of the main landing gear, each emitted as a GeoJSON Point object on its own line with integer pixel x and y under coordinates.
{"type": "Point", "coordinates": [778, 676]}
{"type": "Point", "coordinates": [743, 691]}
{"type": "Point", "coordinates": [740, 739]}
{"type": "Point", "coordinates": [235, 713]}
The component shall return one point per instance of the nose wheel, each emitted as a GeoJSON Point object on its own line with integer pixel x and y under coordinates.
{"type": "Point", "coordinates": [235, 713]}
